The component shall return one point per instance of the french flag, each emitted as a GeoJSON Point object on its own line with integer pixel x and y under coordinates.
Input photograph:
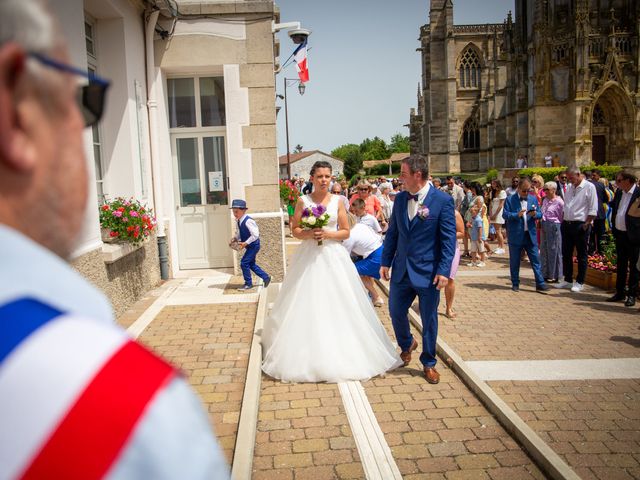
{"type": "Point", "coordinates": [300, 56]}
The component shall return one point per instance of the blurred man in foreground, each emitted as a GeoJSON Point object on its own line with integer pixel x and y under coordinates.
{"type": "Point", "coordinates": [78, 398]}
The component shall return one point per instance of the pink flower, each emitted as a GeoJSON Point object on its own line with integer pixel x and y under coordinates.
{"type": "Point", "coordinates": [133, 213]}
{"type": "Point", "coordinates": [423, 212]}
{"type": "Point", "coordinates": [117, 213]}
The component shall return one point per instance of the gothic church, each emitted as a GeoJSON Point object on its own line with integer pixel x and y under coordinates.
{"type": "Point", "coordinates": [563, 78]}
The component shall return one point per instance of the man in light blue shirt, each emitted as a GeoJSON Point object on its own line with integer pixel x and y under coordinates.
{"type": "Point", "coordinates": [58, 340]}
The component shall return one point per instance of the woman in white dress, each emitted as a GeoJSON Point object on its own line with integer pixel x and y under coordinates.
{"type": "Point", "coordinates": [323, 326]}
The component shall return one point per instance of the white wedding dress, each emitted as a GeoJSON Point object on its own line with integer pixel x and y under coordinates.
{"type": "Point", "coordinates": [323, 326]}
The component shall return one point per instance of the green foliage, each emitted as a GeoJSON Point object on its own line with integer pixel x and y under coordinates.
{"type": "Point", "coordinates": [548, 174]}
{"type": "Point", "coordinates": [352, 157]}
{"type": "Point", "coordinates": [492, 175]}
{"type": "Point", "coordinates": [374, 149]}
{"type": "Point", "coordinates": [608, 249]}
{"type": "Point", "coordinates": [383, 169]}
{"type": "Point", "coordinates": [399, 143]}
{"type": "Point", "coordinates": [370, 149]}
{"type": "Point", "coordinates": [608, 171]}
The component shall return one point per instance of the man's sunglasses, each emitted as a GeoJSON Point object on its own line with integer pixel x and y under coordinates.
{"type": "Point", "coordinates": [90, 97]}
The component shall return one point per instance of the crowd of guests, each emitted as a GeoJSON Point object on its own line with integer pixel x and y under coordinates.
{"type": "Point", "coordinates": [549, 224]}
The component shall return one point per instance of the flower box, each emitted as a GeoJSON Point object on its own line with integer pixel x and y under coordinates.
{"type": "Point", "coordinates": [598, 278]}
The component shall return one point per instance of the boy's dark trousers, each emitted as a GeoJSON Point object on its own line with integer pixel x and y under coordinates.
{"type": "Point", "coordinates": [248, 263]}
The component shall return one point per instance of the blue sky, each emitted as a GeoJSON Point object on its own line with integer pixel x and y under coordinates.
{"type": "Point", "coordinates": [363, 64]}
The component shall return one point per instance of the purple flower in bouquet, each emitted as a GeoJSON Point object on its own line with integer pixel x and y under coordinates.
{"type": "Point", "coordinates": [318, 210]}
{"type": "Point", "coordinates": [314, 217]}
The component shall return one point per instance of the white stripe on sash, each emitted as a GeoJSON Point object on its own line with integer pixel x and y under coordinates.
{"type": "Point", "coordinates": [42, 378]}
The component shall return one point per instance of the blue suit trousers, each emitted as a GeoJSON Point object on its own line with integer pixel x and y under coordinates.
{"type": "Point", "coordinates": [534, 258]}
{"type": "Point", "coordinates": [401, 296]}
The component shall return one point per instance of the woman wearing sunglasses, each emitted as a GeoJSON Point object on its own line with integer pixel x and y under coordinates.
{"type": "Point", "coordinates": [371, 203]}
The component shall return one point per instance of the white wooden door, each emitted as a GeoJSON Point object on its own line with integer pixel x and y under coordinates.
{"type": "Point", "coordinates": [202, 204]}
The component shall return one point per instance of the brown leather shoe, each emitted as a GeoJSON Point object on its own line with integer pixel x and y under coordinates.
{"type": "Point", "coordinates": [406, 355]}
{"type": "Point", "coordinates": [432, 375]}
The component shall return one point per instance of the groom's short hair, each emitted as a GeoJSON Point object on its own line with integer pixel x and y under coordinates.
{"type": "Point", "coordinates": [417, 163]}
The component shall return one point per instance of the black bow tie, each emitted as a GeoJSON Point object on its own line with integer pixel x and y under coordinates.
{"type": "Point", "coordinates": [524, 198]}
{"type": "Point", "coordinates": [414, 197]}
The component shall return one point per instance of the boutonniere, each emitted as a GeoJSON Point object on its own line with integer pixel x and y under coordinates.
{"type": "Point", "coordinates": [423, 212]}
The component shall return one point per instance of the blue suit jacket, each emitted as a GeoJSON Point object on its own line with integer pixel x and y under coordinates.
{"type": "Point", "coordinates": [515, 225]}
{"type": "Point", "coordinates": [422, 248]}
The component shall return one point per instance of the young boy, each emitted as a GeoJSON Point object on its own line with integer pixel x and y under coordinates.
{"type": "Point", "coordinates": [358, 207]}
{"type": "Point", "coordinates": [248, 236]}
{"type": "Point", "coordinates": [477, 245]}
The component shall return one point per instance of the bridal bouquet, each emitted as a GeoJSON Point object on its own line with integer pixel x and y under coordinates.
{"type": "Point", "coordinates": [314, 217]}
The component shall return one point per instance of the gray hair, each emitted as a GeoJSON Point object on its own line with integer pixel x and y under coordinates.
{"type": "Point", "coordinates": [30, 24]}
{"type": "Point", "coordinates": [573, 170]}
{"type": "Point", "coordinates": [551, 186]}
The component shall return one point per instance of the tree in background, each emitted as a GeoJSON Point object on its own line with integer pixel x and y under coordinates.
{"type": "Point", "coordinates": [370, 149]}
{"type": "Point", "coordinates": [352, 157]}
{"type": "Point", "coordinates": [375, 149]}
{"type": "Point", "coordinates": [399, 144]}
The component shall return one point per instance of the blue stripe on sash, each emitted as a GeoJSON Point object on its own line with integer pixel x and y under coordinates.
{"type": "Point", "coordinates": [20, 319]}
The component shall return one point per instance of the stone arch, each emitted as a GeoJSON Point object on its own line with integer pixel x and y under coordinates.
{"type": "Point", "coordinates": [469, 66]}
{"type": "Point", "coordinates": [612, 126]}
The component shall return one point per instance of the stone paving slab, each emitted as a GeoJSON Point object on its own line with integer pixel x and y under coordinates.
{"type": "Point", "coordinates": [594, 425]}
{"type": "Point", "coordinates": [210, 344]}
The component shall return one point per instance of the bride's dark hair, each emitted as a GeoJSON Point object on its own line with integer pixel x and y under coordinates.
{"type": "Point", "coordinates": [320, 164]}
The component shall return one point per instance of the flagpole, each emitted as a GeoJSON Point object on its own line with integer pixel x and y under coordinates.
{"type": "Point", "coordinates": [286, 123]}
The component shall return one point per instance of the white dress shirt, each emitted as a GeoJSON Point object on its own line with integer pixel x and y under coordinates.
{"type": "Point", "coordinates": [362, 241]}
{"type": "Point", "coordinates": [523, 206]}
{"type": "Point", "coordinates": [253, 229]}
{"type": "Point", "coordinates": [412, 205]}
{"type": "Point", "coordinates": [371, 222]}
{"type": "Point", "coordinates": [580, 202]}
{"type": "Point", "coordinates": [622, 209]}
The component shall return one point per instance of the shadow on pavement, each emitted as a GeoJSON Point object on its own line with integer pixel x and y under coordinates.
{"type": "Point", "coordinates": [634, 342]}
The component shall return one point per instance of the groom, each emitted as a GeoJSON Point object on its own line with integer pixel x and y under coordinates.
{"type": "Point", "coordinates": [419, 247]}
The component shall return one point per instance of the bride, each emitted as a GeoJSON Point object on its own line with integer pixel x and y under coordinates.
{"type": "Point", "coordinates": [323, 326]}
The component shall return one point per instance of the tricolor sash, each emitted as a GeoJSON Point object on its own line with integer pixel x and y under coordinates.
{"type": "Point", "coordinates": [72, 391]}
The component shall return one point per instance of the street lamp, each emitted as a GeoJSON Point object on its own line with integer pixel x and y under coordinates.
{"type": "Point", "coordinates": [301, 88]}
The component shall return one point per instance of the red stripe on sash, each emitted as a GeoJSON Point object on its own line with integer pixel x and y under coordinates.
{"type": "Point", "coordinates": [90, 437]}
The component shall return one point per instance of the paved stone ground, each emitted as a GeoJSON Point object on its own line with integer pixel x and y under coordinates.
{"type": "Point", "coordinates": [593, 424]}
{"type": "Point", "coordinates": [495, 323]}
{"type": "Point", "coordinates": [434, 432]}
{"type": "Point", "coordinates": [442, 431]}
{"type": "Point", "coordinates": [210, 343]}
{"type": "Point", "coordinates": [303, 433]}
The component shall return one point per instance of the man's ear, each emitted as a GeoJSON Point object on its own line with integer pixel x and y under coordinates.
{"type": "Point", "coordinates": [17, 151]}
